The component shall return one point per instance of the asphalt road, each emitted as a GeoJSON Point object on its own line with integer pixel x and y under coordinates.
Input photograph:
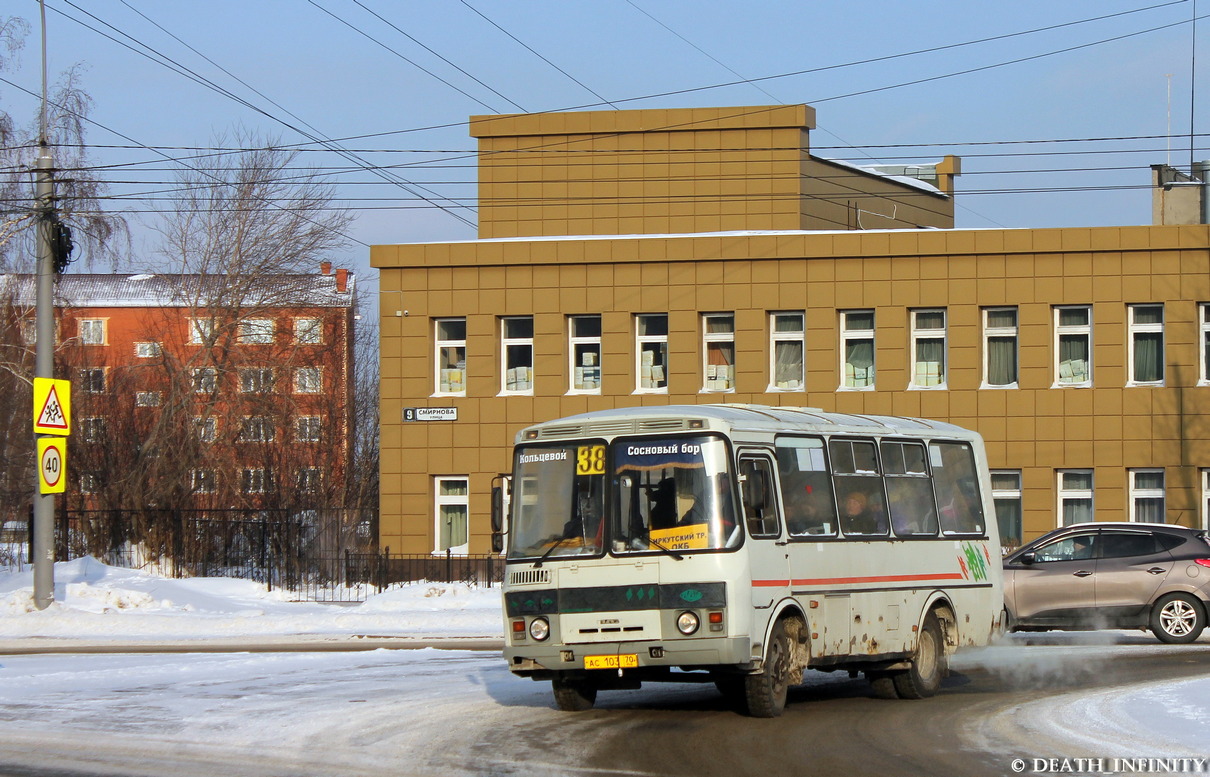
{"type": "Point", "coordinates": [385, 714]}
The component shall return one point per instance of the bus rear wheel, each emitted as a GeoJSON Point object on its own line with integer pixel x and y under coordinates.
{"type": "Point", "coordinates": [923, 679]}
{"type": "Point", "coordinates": [574, 694]}
{"type": "Point", "coordinates": [767, 690]}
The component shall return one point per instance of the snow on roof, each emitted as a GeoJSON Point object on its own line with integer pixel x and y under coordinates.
{"type": "Point", "coordinates": [143, 290]}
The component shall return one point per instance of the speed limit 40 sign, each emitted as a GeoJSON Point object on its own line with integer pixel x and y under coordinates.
{"type": "Point", "coordinates": [52, 465]}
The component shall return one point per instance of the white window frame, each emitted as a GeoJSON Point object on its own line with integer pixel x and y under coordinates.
{"type": "Point", "coordinates": [93, 331]}
{"type": "Point", "coordinates": [308, 331]}
{"type": "Point", "coordinates": [1004, 494]}
{"type": "Point", "coordinates": [308, 428]}
{"type": "Point", "coordinates": [203, 481]}
{"type": "Point", "coordinates": [1136, 329]}
{"type": "Point", "coordinates": [147, 350]}
{"type": "Point", "coordinates": [89, 483]}
{"type": "Point", "coordinates": [713, 342]}
{"type": "Point", "coordinates": [256, 480]}
{"type": "Point", "coordinates": [788, 336]}
{"type": "Point", "coordinates": [650, 343]}
{"type": "Point", "coordinates": [205, 380]}
{"type": "Point", "coordinates": [87, 383]}
{"type": "Point", "coordinates": [584, 377]}
{"type": "Point", "coordinates": [449, 381]}
{"type": "Point", "coordinates": [1075, 494]}
{"type": "Point", "coordinates": [201, 331]}
{"type": "Point", "coordinates": [147, 398]}
{"type": "Point", "coordinates": [450, 500]}
{"type": "Point", "coordinates": [257, 428]}
{"type": "Point", "coordinates": [1205, 511]}
{"type": "Point", "coordinates": [256, 380]}
{"type": "Point", "coordinates": [922, 378]}
{"type": "Point", "coordinates": [1001, 333]}
{"type": "Point", "coordinates": [93, 428]}
{"type": "Point", "coordinates": [516, 379]}
{"type": "Point", "coordinates": [1136, 492]}
{"type": "Point", "coordinates": [308, 380]}
{"type": "Point", "coordinates": [307, 480]}
{"type": "Point", "coordinates": [1203, 317]}
{"type": "Point", "coordinates": [257, 331]}
{"type": "Point", "coordinates": [207, 428]}
{"type": "Point", "coordinates": [850, 336]}
{"type": "Point", "coordinates": [1072, 330]}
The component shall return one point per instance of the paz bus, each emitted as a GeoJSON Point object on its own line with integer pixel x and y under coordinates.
{"type": "Point", "coordinates": [742, 545]}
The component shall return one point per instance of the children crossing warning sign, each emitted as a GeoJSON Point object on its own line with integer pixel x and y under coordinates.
{"type": "Point", "coordinates": [52, 406]}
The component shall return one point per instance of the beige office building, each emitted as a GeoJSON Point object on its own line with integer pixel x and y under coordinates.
{"type": "Point", "coordinates": [706, 255]}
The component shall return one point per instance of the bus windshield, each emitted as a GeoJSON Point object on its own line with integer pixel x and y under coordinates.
{"type": "Point", "coordinates": [672, 494]}
{"type": "Point", "coordinates": [558, 501]}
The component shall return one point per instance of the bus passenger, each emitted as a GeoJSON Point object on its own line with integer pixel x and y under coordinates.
{"type": "Point", "coordinates": [859, 517]}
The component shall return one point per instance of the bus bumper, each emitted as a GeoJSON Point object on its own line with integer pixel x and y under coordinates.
{"type": "Point", "coordinates": [540, 661]}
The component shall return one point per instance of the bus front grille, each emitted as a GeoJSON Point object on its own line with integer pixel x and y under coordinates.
{"type": "Point", "coordinates": [529, 577]}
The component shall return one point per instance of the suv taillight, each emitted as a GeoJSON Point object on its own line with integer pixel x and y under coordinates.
{"type": "Point", "coordinates": [1205, 562]}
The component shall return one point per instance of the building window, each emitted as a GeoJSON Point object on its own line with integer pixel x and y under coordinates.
{"type": "Point", "coordinates": [205, 380]}
{"type": "Point", "coordinates": [93, 429]}
{"type": "Point", "coordinates": [256, 429]}
{"type": "Point", "coordinates": [256, 331]}
{"type": "Point", "coordinates": [451, 356]}
{"type": "Point", "coordinates": [147, 350]}
{"type": "Point", "coordinates": [308, 428]}
{"type": "Point", "coordinates": [201, 331]}
{"type": "Point", "coordinates": [1146, 357]}
{"type": "Point", "coordinates": [308, 380]}
{"type": "Point", "coordinates": [256, 380]}
{"type": "Point", "coordinates": [1205, 498]}
{"type": "Point", "coordinates": [92, 380]}
{"type": "Point", "coordinates": [308, 331]}
{"type": "Point", "coordinates": [1006, 496]}
{"type": "Point", "coordinates": [147, 398]}
{"type": "Point", "coordinates": [207, 428]}
{"type": "Point", "coordinates": [928, 349]}
{"type": "Point", "coordinates": [857, 349]}
{"type": "Point", "coordinates": [1073, 346]}
{"type": "Point", "coordinates": [584, 346]}
{"type": "Point", "coordinates": [787, 352]}
{"type": "Point", "coordinates": [257, 480]}
{"type": "Point", "coordinates": [92, 331]}
{"type": "Point", "coordinates": [1147, 495]}
{"type": "Point", "coordinates": [999, 348]}
{"type": "Point", "coordinates": [308, 480]}
{"type": "Point", "coordinates": [651, 350]}
{"type": "Point", "coordinates": [1075, 496]}
{"type": "Point", "coordinates": [452, 499]}
{"type": "Point", "coordinates": [89, 483]}
{"type": "Point", "coordinates": [517, 355]}
{"type": "Point", "coordinates": [1204, 351]}
{"type": "Point", "coordinates": [718, 352]}
{"type": "Point", "coordinates": [203, 481]}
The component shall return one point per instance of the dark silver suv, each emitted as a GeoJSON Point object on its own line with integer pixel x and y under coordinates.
{"type": "Point", "coordinates": [1111, 576]}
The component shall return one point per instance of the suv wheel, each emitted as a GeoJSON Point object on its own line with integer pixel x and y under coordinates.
{"type": "Point", "coordinates": [1178, 618]}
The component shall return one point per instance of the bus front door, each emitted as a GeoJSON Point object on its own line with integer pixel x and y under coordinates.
{"type": "Point", "coordinates": [767, 554]}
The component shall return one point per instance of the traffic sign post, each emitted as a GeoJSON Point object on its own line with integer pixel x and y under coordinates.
{"type": "Point", "coordinates": [52, 465]}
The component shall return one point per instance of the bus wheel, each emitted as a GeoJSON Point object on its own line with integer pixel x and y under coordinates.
{"type": "Point", "coordinates": [882, 684]}
{"type": "Point", "coordinates": [766, 691]}
{"type": "Point", "coordinates": [574, 695]}
{"type": "Point", "coordinates": [928, 667]}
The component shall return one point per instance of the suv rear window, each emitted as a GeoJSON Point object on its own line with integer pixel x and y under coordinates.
{"type": "Point", "coordinates": [1120, 544]}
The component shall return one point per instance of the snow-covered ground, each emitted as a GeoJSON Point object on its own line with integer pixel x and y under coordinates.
{"type": "Point", "coordinates": [98, 603]}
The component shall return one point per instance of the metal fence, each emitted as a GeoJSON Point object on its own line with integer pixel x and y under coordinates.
{"type": "Point", "coordinates": [318, 555]}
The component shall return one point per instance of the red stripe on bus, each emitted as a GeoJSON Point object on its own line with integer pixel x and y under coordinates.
{"type": "Point", "coordinates": [872, 579]}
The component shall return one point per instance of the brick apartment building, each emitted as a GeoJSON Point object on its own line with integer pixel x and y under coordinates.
{"type": "Point", "coordinates": [203, 391]}
{"type": "Point", "coordinates": [706, 255]}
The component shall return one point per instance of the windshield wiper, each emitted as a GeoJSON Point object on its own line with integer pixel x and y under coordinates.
{"type": "Point", "coordinates": [663, 547]}
{"type": "Point", "coordinates": [551, 549]}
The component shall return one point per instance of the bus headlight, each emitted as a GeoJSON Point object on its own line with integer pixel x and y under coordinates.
{"type": "Point", "coordinates": [539, 629]}
{"type": "Point", "coordinates": [687, 622]}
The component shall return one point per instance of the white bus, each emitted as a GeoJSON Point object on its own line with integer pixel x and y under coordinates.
{"type": "Point", "coordinates": [742, 545]}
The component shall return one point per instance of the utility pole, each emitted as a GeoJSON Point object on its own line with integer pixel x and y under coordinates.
{"type": "Point", "coordinates": [44, 358]}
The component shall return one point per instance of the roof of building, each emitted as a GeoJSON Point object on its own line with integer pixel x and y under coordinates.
{"type": "Point", "coordinates": [148, 290]}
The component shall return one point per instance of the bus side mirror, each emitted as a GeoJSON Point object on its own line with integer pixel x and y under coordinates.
{"type": "Point", "coordinates": [497, 519]}
{"type": "Point", "coordinates": [754, 489]}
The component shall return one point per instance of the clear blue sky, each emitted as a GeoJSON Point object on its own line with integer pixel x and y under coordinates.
{"type": "Point", "coordinates": [319, 67]}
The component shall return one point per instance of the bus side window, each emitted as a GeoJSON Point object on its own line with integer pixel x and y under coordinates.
{"type": "Point", "coordinates": [909, 491]}
{"type": "Point", "coordinates": [760, 500]}
{"type": "Point", "coordinates": [956, 482]}
{"type": "Point", "coordinates": [859, 490]}
{"type": "Point", "coordinates": [806, 487]}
